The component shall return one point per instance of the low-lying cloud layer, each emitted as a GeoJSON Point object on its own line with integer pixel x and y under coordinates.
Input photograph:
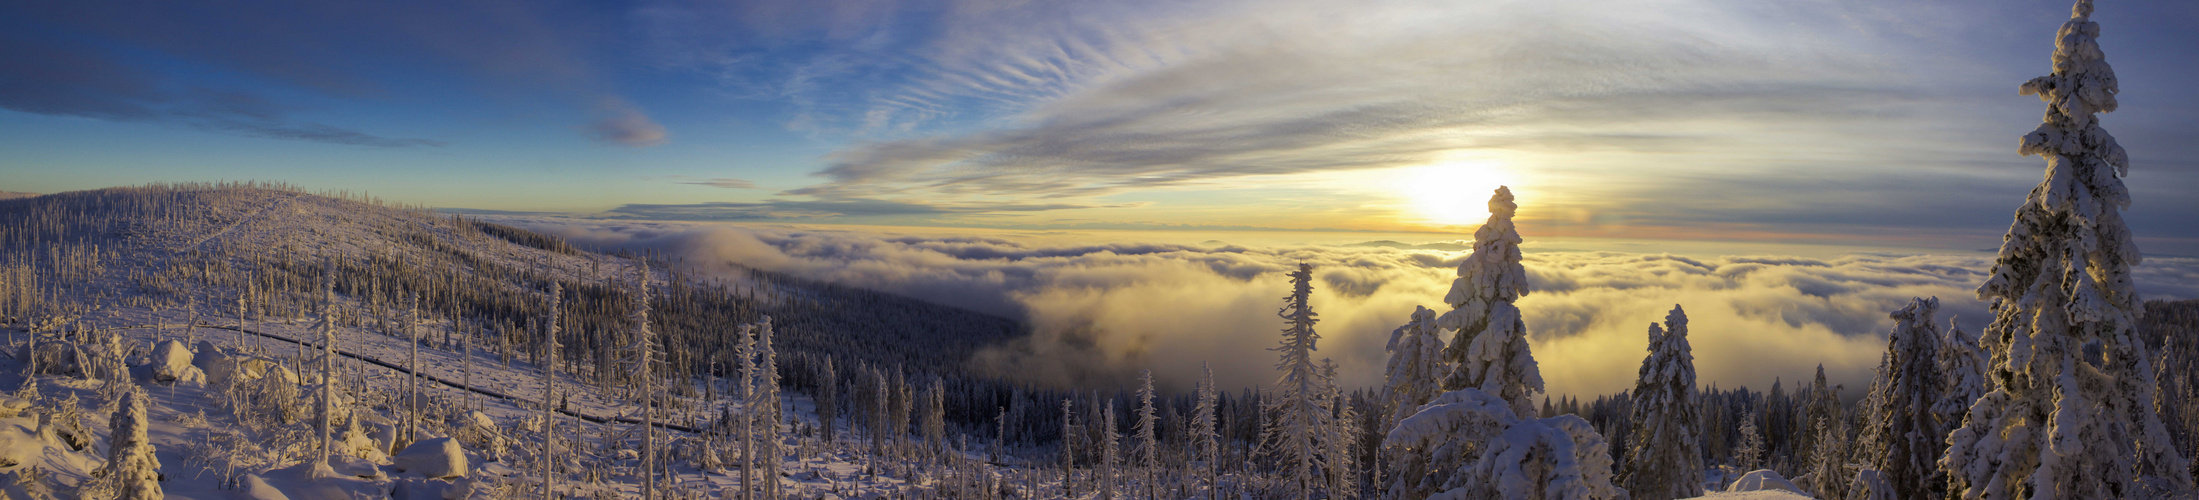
{"type": "Point", "coordinates": [1101, 312]}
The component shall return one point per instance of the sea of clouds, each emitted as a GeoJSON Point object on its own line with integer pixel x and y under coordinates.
{"type": "Point", "coordinates": [1101, 312]}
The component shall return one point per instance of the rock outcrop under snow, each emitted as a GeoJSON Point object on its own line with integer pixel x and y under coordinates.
{"type": "Point", "coordinates": [439, 457]}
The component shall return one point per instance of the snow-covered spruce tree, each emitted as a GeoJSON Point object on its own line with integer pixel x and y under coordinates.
{"type": "Point", "coordinates": [326, 326]}
{"type": "Point", "coordinates": [1962, 376]}
{"type": "Point", "coordinates": [1828, 471]}
{"type": "Point", "coordinates": [1109, 453]}
{"type": "Point", "coordinates": [1749, 455]}
{"type": "Point", "coordinates": [1490, 351]}
{"type": "Point", "coordinates": [642, 352]}
{"type": "Point", "coordinates": [744, 349]}
{"type": "Point", "coordinates": [769, 412]}
{"type": "Point", "coordinates": [550, 348]}
{"type": "Point", "coordinates": [412, 377]}
{"type": "Point", "coordinates": [1416, 366]}
{"type": "Point", "coordinates": [935, 421]}
{"type": "Point", "coordinates": [1342, 432]}
{"type": "Point", "coordinates": [2073, 414]}
{"type": "Point", "coordinates": [1664, 459]}
{"type": "Point", "coordinates": [1475, 447]}
{"type": "Point", "coordinates": [1068, 450]}
{"type": "Point", "coordinates": [1205, 443]}
{"type": "Point", "coordinates": [1148, 435]}
{"type": "Point", "coordinates": [132, 472]}
{"type": "Point", "coordinates": [1904, 439]}
{"type": "Point", "coordinates": [1294, 437]}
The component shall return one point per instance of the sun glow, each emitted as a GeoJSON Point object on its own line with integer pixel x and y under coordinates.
{"type": "Point", "coordinates": [1449, 194]}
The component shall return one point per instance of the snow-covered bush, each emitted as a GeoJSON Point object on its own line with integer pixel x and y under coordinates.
{"type": "Point", "coordinates": [1468, 444]}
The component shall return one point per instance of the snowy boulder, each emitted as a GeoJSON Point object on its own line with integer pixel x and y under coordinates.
{"type": "Point", "coordinates": [171, 362]}
{"type": "Point", "coordinates": [256, 488]}
{"type": "Point", "coordinates": [439, 457]}
{"type": "Point", "coordinates": [1764, 480]}
{"type": "Point", "coordinates": [218, 366]}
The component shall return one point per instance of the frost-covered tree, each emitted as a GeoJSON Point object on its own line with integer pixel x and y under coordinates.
{"type": "Point", "coordinates": [744, 350]}
{"type": "Point", "coordinates": [1903, 437]}
{"type": "Point", "coordinates": [1148, 435]}
{"type": "Point", "coordinates": [326, 326]}
{"type": "Point", "coordinates": [1962, 376]}
{"type": "Point", "coordinates": [1342, 432]}
{"type": "Point", "coordinates": [132, 472]}
{"type": "Point", "coordinates": [1068, 450]}
{"type": "Point", "coordinates": [412, 368]}
{"type": "Point", "coordinates": [1416, 365]}
{"type": "Point", "coordinates": [1664, 457]}
{"type": "Point", "coordinates": [2073, 413]}
{"type": "Point", "coordinates": [1490, 351]}
{"type": "Point", "coordinates": [769, 413]}
{"type": "Point", "coordinates": [1204, 440]}
{"type": "Point", "coordinates": [642, 354]}
{"type": "Point", "coordinates": [1294, 437]}
{"type": "Point", "coordinates": [1749, 455]}
{"type": "Point", "coordinates": [1109, 453]}
{"type": "Point", "coordinates": [550, 348]}
{"type": "Point", "coordinates": [1828, 467]}
{"type": "Point", "coordinates": [1468, 444]}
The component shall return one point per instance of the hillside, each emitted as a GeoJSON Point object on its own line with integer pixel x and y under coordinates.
{"type": "Point", "coordinates": [127, 278]}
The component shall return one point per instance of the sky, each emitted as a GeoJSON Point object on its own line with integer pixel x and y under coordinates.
{"type": "Point", "coordinates": [1833, 122]}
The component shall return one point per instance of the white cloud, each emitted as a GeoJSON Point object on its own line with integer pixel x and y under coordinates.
{"type": "Point", "coordinates": [1103, 311]}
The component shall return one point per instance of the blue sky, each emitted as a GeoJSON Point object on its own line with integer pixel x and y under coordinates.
{"type": "Point", "coordinates": [1870, 122]}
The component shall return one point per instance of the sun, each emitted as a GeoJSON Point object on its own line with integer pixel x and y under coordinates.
{"type": "Point", "coordinates": [1451, 193]}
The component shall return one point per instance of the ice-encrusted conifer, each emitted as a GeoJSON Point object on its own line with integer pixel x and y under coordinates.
{"type": "Point", "coordinates": [550, 348]}
{"type": "Point", "coordinates": [1903, 436]}
{"type": "Point", "coordinates": [1294, 436]}
{"type": "Point", "coordinates": [1468, 444]}
{"type": "Point", "coordinates": [1342, 432]}
{"type": "Point", "coordinates": [1068, 450]}
{"type": "Point", "coordinates": [1108, 451]}
{"type": "Point", "coordinates": [1962, 376]}
{"type": "Point", "coordinates": [1148, 435]}
{"type": "Point", "coordinates": [2073, 415]}
{"type": "Point", "coordinates": [326, 326]}
{"type": "Point", "coordinates": [1664, 456]}
{"type": "Point", "coordinates": [643, 352]}
{"type": "Point", "coordinates": [769, 413]}
{"type": "Point", "coordinates": [1204, 441]}
{"type": "Point", "coordinates": [132, 471]}
{"type": "Point", "coordinates": [1490, 351]}
{"type": "Point", "coordinates": [1416, 366]}
{"type": "Point", "coordinates": [1749, 455]}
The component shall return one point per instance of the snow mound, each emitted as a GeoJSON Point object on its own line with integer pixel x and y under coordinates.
{"type": "Point", "coordinates": [12, 406]}
{"type": "Point", "coordinates": [256, 488]}
{"type": "Point", "coordinates": [1764, 480]}
{"type": "Point", "coordinates": [439, 457]}
{"type": "Point", "coordinates": [172, 363]}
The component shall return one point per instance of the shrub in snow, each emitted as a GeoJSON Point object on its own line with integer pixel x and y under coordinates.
{"type": "Point", "coordinates": [439, 457]}
{"type": "Point", "coordinates": [1469, 444]}
{"type": "Point", "coordinates": [26, 483]}
{"type": "Point", "coordinates": [2074, 413]}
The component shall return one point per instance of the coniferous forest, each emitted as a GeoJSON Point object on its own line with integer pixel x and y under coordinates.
{"type": "Point", "coordinates": [263, 340]}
